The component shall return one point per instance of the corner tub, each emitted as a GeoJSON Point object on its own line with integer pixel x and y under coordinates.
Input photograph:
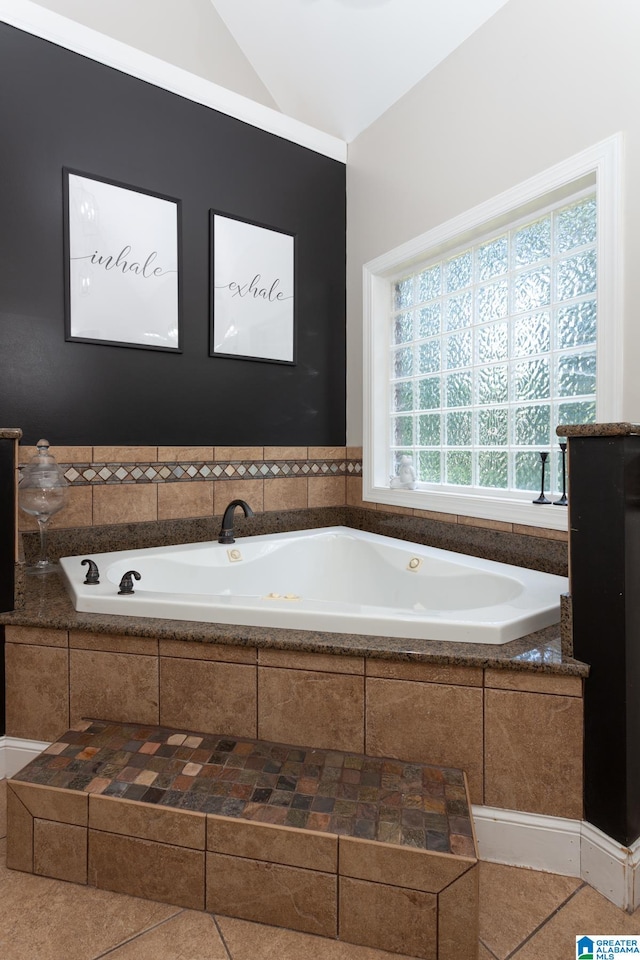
{"type": "Point", "coordinates": [333, 579]}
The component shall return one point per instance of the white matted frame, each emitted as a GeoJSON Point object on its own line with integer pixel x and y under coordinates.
{"type": "Point", "coordinates": [122, 264]}
{"type": "Point", "coordinates": [253, 280]}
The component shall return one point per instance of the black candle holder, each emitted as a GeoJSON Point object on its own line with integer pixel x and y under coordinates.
{"type": "Point", "coordinates": [562, 502]}
{"type": "Point", "coordinates": [544, 456]}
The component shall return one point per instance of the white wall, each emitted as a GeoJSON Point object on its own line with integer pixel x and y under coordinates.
{"type": "Point", "coordinates": [537, 83]}
{"type": "Point", "coordinates": [186, 33]}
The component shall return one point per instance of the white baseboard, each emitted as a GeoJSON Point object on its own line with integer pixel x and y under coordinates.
{"type": "Point", "coordinates": [572, 848]}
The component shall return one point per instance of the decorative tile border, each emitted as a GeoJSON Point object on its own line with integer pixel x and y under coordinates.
{"type": "Point", "coordinates": [93, 474]}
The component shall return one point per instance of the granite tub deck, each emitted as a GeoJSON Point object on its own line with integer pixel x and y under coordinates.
{"type": "Point", "coordinates": [374, 851]}
{"type": "Point", "coordinates": [45, 604]}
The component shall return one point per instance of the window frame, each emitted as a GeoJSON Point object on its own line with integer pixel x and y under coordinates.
{"type": "Point", "coordinates": [598, 166]}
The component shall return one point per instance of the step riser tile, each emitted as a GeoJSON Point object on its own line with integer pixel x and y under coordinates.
{"type": "Point", "coordinates": [141, 868]}
{"type": "Point", "coordinates": [274, 844]}
{"type": "Point", "coordinates": [60, 851]}
{"type": "Point", "coordinates": [388, 918]}
{"type": "Point", "coordinates": [270, 893]}
{"type": "Point", "coordinates": [147, 822]}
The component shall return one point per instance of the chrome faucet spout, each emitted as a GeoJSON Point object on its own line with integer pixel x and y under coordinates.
{"type": "Point", "coordinates": [226, 531]}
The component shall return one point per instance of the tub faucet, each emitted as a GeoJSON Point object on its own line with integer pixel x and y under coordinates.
{"type": "Point", "coordinates": [226, 531]}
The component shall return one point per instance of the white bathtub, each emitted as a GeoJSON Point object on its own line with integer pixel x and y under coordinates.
{"type": "Point", "coordinates": [334, 579]}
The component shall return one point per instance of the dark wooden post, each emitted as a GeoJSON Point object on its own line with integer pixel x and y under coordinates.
{"type": "Point", "coordinates": [604, 551]}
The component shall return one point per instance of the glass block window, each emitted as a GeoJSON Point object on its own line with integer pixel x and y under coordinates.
{"type": "Point", "coordinates": [491, 347]}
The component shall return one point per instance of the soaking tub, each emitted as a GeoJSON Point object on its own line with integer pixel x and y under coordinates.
{"type": "Point", "coordinates": [333, 579]}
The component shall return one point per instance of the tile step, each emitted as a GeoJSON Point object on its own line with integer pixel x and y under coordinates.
{"type": "Point", "coordinates": [375, 851]}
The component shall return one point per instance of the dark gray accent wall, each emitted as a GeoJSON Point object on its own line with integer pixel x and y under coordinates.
{"type": "Point", "coordinates": [60, 109]}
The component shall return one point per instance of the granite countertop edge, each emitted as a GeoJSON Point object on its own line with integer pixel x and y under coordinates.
{"type": "Point", "coordinates": [537, 652]}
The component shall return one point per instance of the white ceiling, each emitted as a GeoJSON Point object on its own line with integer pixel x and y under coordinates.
{"type": "Point", "coordinates": [339, 64]}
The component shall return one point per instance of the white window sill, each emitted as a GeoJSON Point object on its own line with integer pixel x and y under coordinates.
{"type": "Point", "coordinates": [521, 511]}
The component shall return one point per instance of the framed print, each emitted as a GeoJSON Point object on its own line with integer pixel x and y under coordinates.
{"type": "Point", "coordinates": [122, 263]}
{"type": "Point", "coordinates": [253, 290]}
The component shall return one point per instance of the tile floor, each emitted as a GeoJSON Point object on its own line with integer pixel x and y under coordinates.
{"type": "Point", "coordinates": [524, 915]}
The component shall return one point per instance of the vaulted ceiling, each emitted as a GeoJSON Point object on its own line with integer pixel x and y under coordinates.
{"type": "Point", "coordinates": [339, 64]}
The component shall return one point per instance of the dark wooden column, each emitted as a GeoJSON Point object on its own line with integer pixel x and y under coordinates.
{"type": "Point", "coordinates": [8, 444]}
{"type": "Point", "coordinates": [604, 515]}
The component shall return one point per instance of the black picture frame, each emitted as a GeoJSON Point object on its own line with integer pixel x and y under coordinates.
{"type": "Point", "coordinates": [122, 264]}
{"type": "Point", "coordinates": [253, 290]}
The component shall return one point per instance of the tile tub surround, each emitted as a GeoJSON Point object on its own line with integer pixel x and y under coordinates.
{"type": "Point", "coordinates": [514, 726]}
{"type": "Point", "coordinates": [141, 484]}
{"type": "Point", "coordinates": [261, 831]}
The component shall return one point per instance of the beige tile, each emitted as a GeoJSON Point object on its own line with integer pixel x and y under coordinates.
{"type": "Point", "coordinates": [543, 532]}
{"type": "Point", "coordinates": [458, 919]}
{"type": "Point", "coordinates": [425, 672]}
{"type": "Point", "coordinates": [40, 636]}
{"type": "Point", "coordinates": [327, 491]}
{"type": "Point", "coordinates": [125, 454]}
{"type": "Point", "coordinates": [19, 834]}
{"type": "Point", "coordinates": [142, 868]}
{"type": "Point", "coordinates": [428, 722]}
{"type": "Point", "coordinates": [353, 453]}
{"type": "Point", "coordinates": [486, 524]}
{"type": "Point", "coordinates": [189, 498]}
{"type": "Point", "coordinates": [184, 454]}
{"type": "Point", "coordinates": [63, 454]}
{"type": "Point", "coordinates": [208, 696]}
{"type": "Point", "coordinates": [113, 686]}
{"type": "Point", "coordinates": [60, 851]}
{"type": "Point", "coordinates": [112, 643]}
{"type": "Point", "coordinates": [533, 682]}
{"type": "Point", "coordinates": [324, 662]}
{"type": "Point", "coordinates": [253, 941]}
{"type": "Point", "coordinates": [514, 901]}
{"type": "Point", "coordinates": [388, 918]}
{"type": "Point", "coordinates": [285, 453]}
{"type": "Point", "coordinates": [436, 515]}
{"type": "Point", "coordinates": [3, 808]}
{"type": "Point", "coordinates": [238, 453]}
{"type": "Point", "coordinates": [187, 650]}
{"type": "Point", "coordinates": [327, 453]}
{"type": "Point", "coordinates": [147, 821]}
{"type": "Point", "coordinates": [266, 841]}
{"type": "Point", "coordinates": [77, 512]}
{"type": "Point", "coordinates": [354, 493]}
{"type": "Point", "coordinates": [587, 912]}
{"type": "Point", "coordinates": [533, 752]}
{"type": "Point", "coordinates": [400, 511]}
{"type": "Point", "coordinates": [99, 920]}
{"type": "Point", "coordinates": [37, 691]}
{"type": "Point", "coordinates": [189, 936]}
{"type": "Point", "coordinates": [311, 708]}
{"type": "Point", "coordinates": [53, 803]}
{"type": "Point", "coordinates": [251, 491]}
{"type": "Point", "coordinates": [271, 893]}
{"type": "Point", "coordinates": [125, 503]}
{"type": "Point", "coordinates": [399, 866]}
{"type": "Point", "coordinates": [285, 494]}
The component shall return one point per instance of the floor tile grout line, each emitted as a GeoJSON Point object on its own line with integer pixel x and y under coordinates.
{"type": "Point", "coordinates": [543, 924]}
{"type": "Point", "coordinates": [221, 935]}
{"type": "Point", "coordinates": [138, 936]}
{"type": "Point", "coordinates": [487, 948]}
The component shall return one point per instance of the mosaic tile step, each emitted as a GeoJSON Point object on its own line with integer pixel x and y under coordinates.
{"type": "Point", "coordinates": [374, 851]}
{"type": "Point", "coordinates": [410, 804]}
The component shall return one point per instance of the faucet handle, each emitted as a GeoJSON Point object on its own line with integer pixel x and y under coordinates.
{"type": "Point", "coordinates": [126, 584]}
{"type": "Point", "coordinates": [93, 575]}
